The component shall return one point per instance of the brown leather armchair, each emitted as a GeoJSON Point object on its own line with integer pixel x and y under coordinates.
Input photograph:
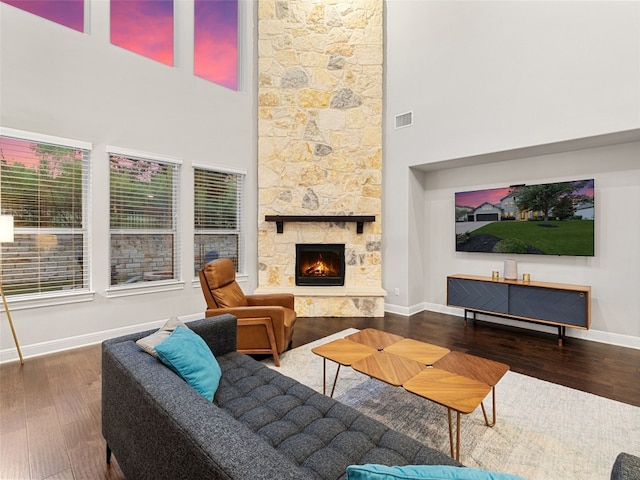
{"type": "Point", "coordinates": [265, 322]}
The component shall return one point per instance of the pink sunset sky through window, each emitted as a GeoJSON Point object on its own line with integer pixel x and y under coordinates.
{"type": "Point", "coordinates": [216, 41]}
{"type": "Point", "coordinates": [69, 13]}
{"type": "Point", "coordinates": [144, 27]}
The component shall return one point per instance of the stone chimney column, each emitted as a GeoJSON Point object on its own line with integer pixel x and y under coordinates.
{"type": "Point", "coordinates": [320, 68]}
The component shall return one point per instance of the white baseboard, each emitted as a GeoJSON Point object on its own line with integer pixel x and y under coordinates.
{"type": "Point", "coordinates": [592, 335]}
{"type": "Point", "coordinates": [53, 346]}
{"type": "Point", "coordinates": [405, 311]}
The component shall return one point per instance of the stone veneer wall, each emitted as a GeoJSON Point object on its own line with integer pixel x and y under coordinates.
{"type": "Point", "coordinates": [320, 145]}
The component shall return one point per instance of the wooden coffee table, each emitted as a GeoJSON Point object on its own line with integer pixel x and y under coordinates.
{"type": "Point", "coordinates": [455, 380]}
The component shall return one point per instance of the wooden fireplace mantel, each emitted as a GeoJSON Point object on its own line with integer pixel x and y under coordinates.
{"type": "Point", "coordinates": [282, 219]}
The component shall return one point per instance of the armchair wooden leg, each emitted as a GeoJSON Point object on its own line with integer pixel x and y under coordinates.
{"type": "Point", "coordinates": [273, 348]}
{"type": "Point", "coordinates": [276, 358]}
{"type": "Point", "coordinates": [272, 342]}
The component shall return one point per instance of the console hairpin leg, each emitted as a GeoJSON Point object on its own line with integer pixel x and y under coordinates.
{"type": "Point", "coordinates": [473, 316]}
{"type": "Point", "coordinates": [484, 412]}
{"type": "Point", "coordinates": [562, 330]}
{"type": "Point", "coordinates": [455, 453]}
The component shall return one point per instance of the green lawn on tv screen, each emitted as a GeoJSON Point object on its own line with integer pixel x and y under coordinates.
{"type": "Point", "coordinates": [568, 237]}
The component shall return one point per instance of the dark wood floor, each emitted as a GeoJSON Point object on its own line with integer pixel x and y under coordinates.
{"type": "Point", "coordinates": [50, 407]}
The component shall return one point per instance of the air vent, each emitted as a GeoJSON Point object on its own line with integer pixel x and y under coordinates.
{"type": "Point", "coordinates": [404, 120]}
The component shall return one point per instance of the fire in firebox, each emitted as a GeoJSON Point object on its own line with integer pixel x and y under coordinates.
{"type": "Point", "coordinates": [321, 269]}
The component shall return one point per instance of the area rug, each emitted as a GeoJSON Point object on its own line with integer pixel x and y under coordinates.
{"type": "Point", "coordinates": [544, 431]}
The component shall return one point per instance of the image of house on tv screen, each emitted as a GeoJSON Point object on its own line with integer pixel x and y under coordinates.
{"type": "Point", "coordinates": [545, 219]}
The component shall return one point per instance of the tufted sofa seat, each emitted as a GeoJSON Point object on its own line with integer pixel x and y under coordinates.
{"type": "Point", "coordinates": [319, 434]}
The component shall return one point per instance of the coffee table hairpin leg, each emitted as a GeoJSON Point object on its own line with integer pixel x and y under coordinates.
{"type": "Point", "coordinates": [484, 412]}
{"type": "Point", "coordinates": [324, 378]}
{"type": "Point", "coordinates": [454, 454]}
{"type": "Point", "coordinates": [455, 451]}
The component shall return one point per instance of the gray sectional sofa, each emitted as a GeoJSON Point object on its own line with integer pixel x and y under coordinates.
{"type": "Point", "coordinates": [261, 424]}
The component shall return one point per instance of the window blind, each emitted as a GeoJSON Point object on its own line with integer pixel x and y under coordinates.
{"type": "Point", "coordinates": [144, 240]}
{"type": "Point", "coordinates": [218, 220]}
{"type": "Point", "coordinates": [44, 185]}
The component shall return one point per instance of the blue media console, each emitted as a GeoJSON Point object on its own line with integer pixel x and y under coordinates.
{"type": "Point", "coordinates": [557, 304]}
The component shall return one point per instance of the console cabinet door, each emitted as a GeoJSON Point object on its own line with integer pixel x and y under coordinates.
{"type": "Point", "coordinates": [560, 306]}
{"type": "Point", "coordinates": [478, 295]}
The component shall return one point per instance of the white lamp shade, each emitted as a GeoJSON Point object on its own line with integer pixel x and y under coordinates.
{"type": "Point", "coordinates": [510, 270]}
{"type": "Point", "coordinates": [6, 228]}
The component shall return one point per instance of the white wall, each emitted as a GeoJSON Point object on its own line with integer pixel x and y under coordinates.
{"type": "Point", "coordinates": [484, 80]}
{"type": "Point", "coordinates": [60, 82]}
{"type": "Point", "coordinates": [488, 76]}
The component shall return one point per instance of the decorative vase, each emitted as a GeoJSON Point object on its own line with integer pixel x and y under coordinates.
{"type": "Point", "coordinates": [510, 270]}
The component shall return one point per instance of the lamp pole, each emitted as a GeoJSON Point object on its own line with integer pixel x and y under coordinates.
{"type": "Point", "coordinates": [6, 236]}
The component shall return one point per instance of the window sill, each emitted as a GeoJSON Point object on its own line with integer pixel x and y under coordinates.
{"type": "Point", "coordinates": [26, 302]}
{"type": "Point", "coordinates": [143, 289]}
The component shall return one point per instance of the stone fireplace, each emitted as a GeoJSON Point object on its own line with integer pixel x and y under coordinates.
{"type": "Point", "coordinates": [320, 149]}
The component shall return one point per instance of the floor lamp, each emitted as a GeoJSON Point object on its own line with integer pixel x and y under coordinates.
{"type": "Point", "coordinates": [6, 236]}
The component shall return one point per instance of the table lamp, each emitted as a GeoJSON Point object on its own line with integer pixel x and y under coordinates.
{"type": "Point", "coordinates": [6, 236]}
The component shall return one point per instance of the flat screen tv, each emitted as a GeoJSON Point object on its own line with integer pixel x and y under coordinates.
{"type": "Point", "coordinates": [545, 219]}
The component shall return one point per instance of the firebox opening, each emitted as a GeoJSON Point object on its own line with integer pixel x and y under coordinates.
{"type": "Point", "coordinates": [320, 264]}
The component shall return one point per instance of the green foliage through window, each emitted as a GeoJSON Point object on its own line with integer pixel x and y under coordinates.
{"type": "Point", "coordinates": [44, 186]}
{"type": "Point", "coordinates": [218, 216]}
{"type": "Point", "coordinates": [141, 193]}
{"type": "Point", "coordinates": [143, 219]}
{"type": "Point", "coordinates": [216, 200]}
{"type": "Point", "coordinates": [41, 184]}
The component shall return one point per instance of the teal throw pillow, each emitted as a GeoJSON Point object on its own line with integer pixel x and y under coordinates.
{"type": "Point", "coordinates": [422, 472]}
{"type": "Point", "coordinates": [187, 354]}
